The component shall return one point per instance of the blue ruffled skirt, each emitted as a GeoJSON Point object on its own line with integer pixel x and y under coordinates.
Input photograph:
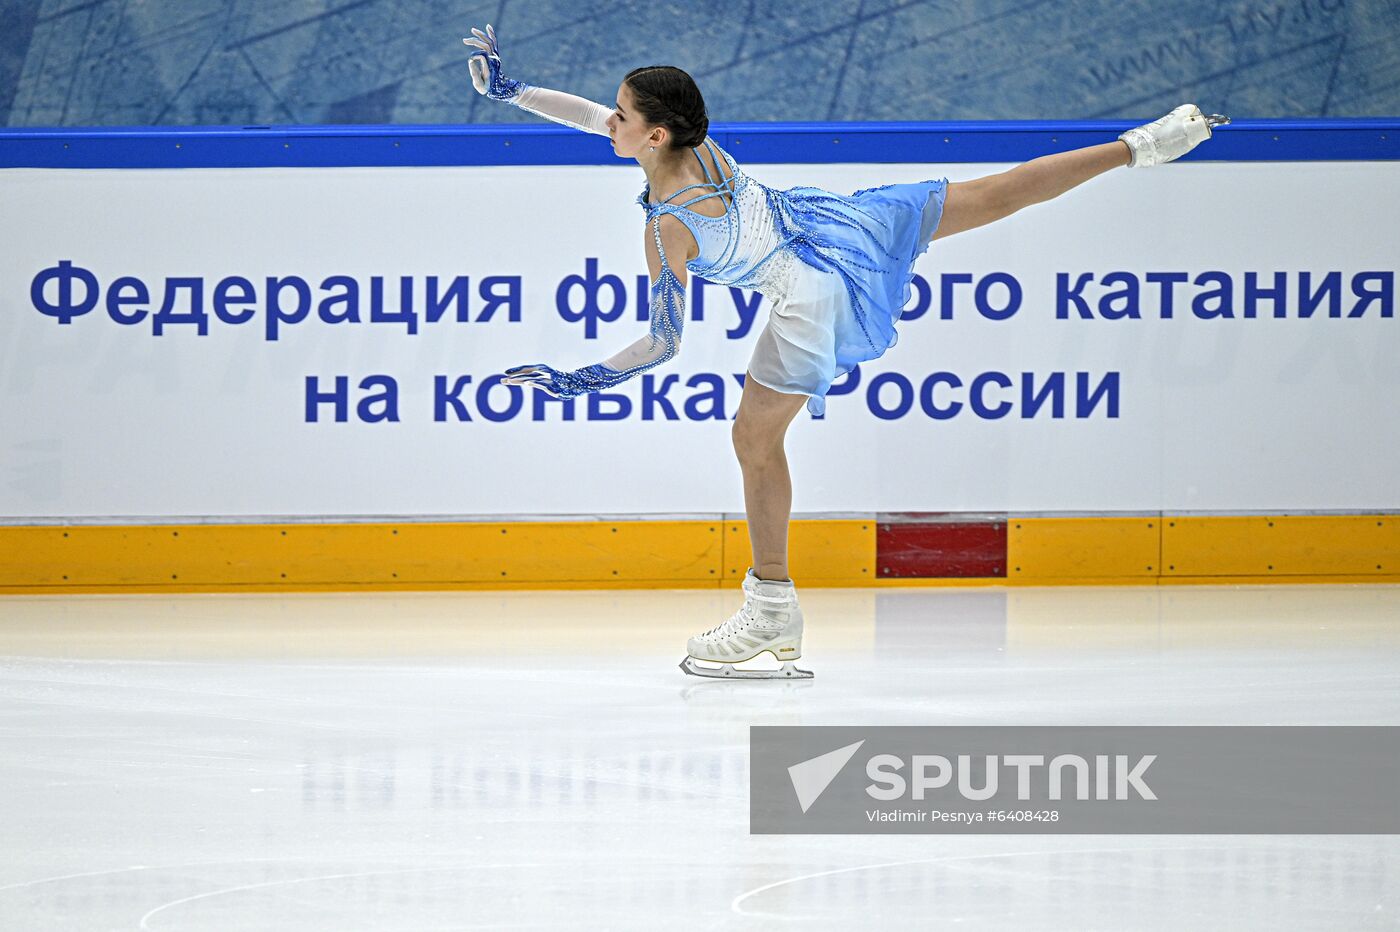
{"type": "Point", "coordinates": [842, 301]}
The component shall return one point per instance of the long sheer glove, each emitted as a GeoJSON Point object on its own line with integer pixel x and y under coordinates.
{"type": "Point", "coordinates": [561, 384]}
{"type": "Point", "coordinates": [488, 79]}
{"type": "Point", "coordinates": [662, 342]}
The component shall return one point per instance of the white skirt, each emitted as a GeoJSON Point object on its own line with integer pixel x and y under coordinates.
{"type": "Point", "coordinates": [796, 351]}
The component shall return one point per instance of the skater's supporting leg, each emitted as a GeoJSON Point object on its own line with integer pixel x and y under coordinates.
{"type": "Point", "coordinates": [759, 428]}
{"type": "Point", "coordinates": [970, 204]}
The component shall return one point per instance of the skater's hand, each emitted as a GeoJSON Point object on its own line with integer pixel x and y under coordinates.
{"type": "Point", "coordinates": [547, 379]}
{"type": "Point", "coordinates": [564, 384]}
{"type": "Point", "coordinates": [485, 67]}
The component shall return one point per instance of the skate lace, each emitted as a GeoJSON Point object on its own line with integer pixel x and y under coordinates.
{"type": "Point", "coordinates": [744, 618]}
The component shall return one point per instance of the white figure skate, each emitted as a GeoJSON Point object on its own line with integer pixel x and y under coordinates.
{"type": "Point", "coordinates": [1172, 136]}
{"type": "Point", "coordinates": [770, 620]}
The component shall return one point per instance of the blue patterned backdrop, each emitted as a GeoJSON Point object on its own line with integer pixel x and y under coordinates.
{"type": "Point", "coordinates": [181, 62]}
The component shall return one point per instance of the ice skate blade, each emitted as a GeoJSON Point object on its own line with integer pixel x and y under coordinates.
{"type": "Point", "coordinates": [726, 671]}
{"type": "Point", "coordinates": [1216, 119]}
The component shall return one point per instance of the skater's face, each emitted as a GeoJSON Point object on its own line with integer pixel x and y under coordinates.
{"type": "Point", "coordinates": [631, 134]}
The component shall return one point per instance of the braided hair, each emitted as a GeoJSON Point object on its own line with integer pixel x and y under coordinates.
{"type": "Point", "coordinates": [667, 96]}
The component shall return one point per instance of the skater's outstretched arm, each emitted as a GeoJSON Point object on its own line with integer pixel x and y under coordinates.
{"type": "Point", "coordinates": [667, 236]}
{"type": "Point", "coordinates": [485, 67]}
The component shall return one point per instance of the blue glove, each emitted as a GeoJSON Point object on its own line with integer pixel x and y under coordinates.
{"type": "Point", "coordinates": [564, 384]}
{"type": "Point", "coordinates": [485, 67]}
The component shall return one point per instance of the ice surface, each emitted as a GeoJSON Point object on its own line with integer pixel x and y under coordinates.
{"type": "Point", "coordinates": [459, 760]}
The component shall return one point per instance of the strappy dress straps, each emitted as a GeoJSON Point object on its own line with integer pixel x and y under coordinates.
{"type": "Point", "coordinates": [722, 188]}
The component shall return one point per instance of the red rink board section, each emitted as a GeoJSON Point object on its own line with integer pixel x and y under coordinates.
{"type": "Point", "coordinates": [940, 544]}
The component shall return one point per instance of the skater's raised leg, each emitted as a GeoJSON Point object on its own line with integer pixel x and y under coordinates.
{"type": "Point", "coordinates": [971, 204]}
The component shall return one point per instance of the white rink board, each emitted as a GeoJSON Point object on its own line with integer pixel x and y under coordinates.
{"type": "Point", "coordinates": [101, 419]}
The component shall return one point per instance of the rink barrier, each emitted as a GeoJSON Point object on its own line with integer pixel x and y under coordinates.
{"type": "Point", "coordinates": [541, 143]}
{"type": "Point", "coordinates": [903, 549]}
{"type": "Point", "coordinates": [894, 549]}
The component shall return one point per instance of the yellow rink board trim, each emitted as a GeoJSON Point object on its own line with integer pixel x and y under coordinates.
{"type": "Point", "coordinates": [1062, 548]}
{"type": "Point", "coordinates": [1167, 547]}
{"type": "Point", "coordinates": [295, 554]}
{"type": "Point", "coordinates": [1287, 545]}
{"type": "Point", "coordinates": [1115, 550]}
{"type": "Point", "coordinates": [627, 554]}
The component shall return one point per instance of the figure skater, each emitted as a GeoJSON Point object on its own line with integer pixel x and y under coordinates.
{"type": "Point", "coordinates": [835, 269]}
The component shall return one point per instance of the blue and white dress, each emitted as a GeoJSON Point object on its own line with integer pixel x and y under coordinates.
{"type": "Point", "coordinates": [836, 269]}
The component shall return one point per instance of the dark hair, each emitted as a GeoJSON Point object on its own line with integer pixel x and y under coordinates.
{"type": "Point", "coordinates": [667, 96]}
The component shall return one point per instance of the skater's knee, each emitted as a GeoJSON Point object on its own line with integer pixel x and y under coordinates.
{"type": "Point", "coordinates": [755, 442]}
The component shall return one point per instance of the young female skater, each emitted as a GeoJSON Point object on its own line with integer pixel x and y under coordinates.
{"type": "Point", "coordinates": [836, 270]}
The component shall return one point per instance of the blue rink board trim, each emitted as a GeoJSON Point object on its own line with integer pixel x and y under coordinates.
{"type": "Point", "coordinates": [754, 143]}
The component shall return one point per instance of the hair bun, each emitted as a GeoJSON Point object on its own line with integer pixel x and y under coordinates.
{"type": "Point", "coordinates": [666, 96]}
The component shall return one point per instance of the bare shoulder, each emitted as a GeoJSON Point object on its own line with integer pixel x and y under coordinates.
{"type": "Point", "coordinates": [676, 239]}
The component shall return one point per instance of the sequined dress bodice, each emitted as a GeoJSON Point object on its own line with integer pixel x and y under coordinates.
{"type": "Point", "coordinates": [749, 245]}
